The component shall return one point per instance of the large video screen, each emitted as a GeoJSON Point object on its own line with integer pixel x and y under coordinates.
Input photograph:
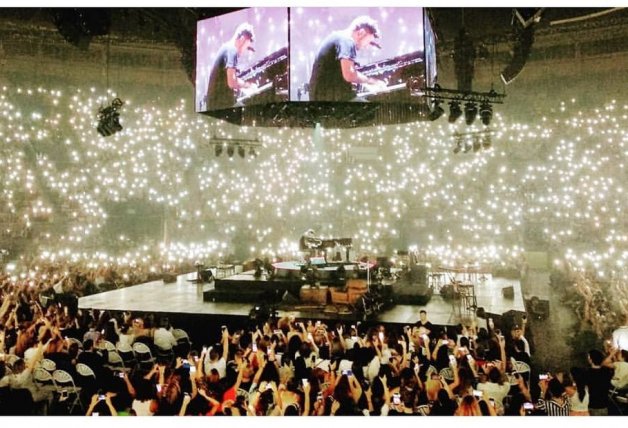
{"type": "Point", "coordinates": [242, 59]}
{"type": "Point", "coordinates": [357, 54]}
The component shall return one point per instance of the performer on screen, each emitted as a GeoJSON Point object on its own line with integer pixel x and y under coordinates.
{"type": "Point", "coordinates": [334, 71]}
{"type": "Point", "coordinates": [223, 81]}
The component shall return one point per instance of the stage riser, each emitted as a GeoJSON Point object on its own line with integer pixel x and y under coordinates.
{"type": "Point", "coordinates": [247, 289]}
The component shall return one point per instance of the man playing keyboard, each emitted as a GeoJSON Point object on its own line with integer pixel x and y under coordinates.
{"type": "Point", "coordinates": [223, 81]}
{"type": "Point", "coordinates": [334, 70]}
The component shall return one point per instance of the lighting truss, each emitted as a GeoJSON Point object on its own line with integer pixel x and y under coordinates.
{"type": "Point", "coordinates": [235, 144]}
{"type": "Point", "coordinates": [469, 99]}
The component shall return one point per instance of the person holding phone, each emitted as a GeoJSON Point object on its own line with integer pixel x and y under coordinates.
{"type": "Point", "coordinates": [599, 378]}
{"type": "Point", "coordinates": [347, 392]}
{"type": "Point", "coordinates": [576, 388]}
{"type": "Point", "coordinates": [496, 388]}
{"type": "Point", "coordinates": [553, 401]}
{"type": "Point", "coordinates": [218, 360]}
{"type": "Point", "coordinates": [96, 400]}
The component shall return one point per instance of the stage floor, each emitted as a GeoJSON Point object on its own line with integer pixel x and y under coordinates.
{"type": "Point", "coordinates": [186, 297]}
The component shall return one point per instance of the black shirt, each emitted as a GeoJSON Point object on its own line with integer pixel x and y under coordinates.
{"type": "Point", "coordinates": [219, 94]}
{"type": "Point", "coordinates": [428, 325]}
{"type": "Point", "coordinates": [599, 383]}
{"type": "Point", "coordinates": [326, 81]}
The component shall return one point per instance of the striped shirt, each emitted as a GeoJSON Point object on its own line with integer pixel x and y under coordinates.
{"type": "Point", "coordinates": [553, 408]}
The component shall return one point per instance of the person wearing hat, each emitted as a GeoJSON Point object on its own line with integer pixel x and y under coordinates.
{"type": "Point", "coordinates": [334, 71]}
{"type": "Point", "coordinates": [223, 79]}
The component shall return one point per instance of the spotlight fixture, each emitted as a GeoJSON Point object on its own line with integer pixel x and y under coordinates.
{"type": "Point", "coordinates": [437, 110]}
{"type": "Point", "coordinates": [109, 118]}
{"type": "Point", "coordinates": [470, 112]}
{"type": "Point", "coordinates": [233, 145]}
{"type": "Point", "coordinates": [486, 112]}
{"type": "Point", "coordinates": [454, 111]}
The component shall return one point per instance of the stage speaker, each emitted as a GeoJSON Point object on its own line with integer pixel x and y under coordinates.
{"type": "Point", "coordinates": [508, 292]}
{"type": "Point", "coordinates": [418, 274]}
{"type": "Point", "coordinates": [522, 45]}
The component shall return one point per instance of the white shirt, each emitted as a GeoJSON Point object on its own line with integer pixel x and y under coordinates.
{"type": "Point", "coordinates": [164, 339]}
{"type": "Point", "coordinates": [25, 380]}
{"type": "Point", "coordinates": [126, 339]}
{"type": "Point", "coordinates": [620, 377]}
{"type": "Point", "coordinates": [577, 405]}
{"type": "Point", "coordinates": [29, 354]}
{"type": "Point", "coordinates": [372, 370]}
{"type": "Point", "coordinates": [142, 408]}
{"type": "Point", "coordinates": [526, 345]}
{"type": "Point", "coordinates": [220, 365]}
{"type": "Point", "coordinates": [620, 337]}
{"type": "Point", "coordinates": [495, 391]}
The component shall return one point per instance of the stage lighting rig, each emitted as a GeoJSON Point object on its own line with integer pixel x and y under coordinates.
{"type": "Point", "coordinates": [470, 112]}
{"type": "Point", "coordinates": [437, 110]}
{"type": "Point", "coordinates": [471, 101]}
{"type": "Point", "coordinates": [454, 111]}
{"type": "Point", "coordinates": [235, 144]}
{"type": "Point", "coordinates": [109, 118]}
{"type": "Point", "coordinates": [486, 113]}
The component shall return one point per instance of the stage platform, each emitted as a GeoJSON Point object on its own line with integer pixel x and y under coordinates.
{"type": "Point", "coordinates": [185, 297]}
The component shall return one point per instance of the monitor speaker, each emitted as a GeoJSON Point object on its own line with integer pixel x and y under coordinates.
{"type": "Point", "coordinates": [508, 292]}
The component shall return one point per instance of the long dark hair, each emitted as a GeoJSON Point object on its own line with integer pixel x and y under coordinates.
{"type": "Point", "coordinates": [579, 379]}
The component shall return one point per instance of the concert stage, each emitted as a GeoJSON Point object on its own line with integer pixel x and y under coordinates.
{"type": "Point", "coordinates": [184, 299]}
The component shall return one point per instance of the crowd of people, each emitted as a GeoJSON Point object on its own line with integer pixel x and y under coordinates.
{"type": "Point", "coordinates": [600, 305]}
{"type": "Point", "coordinates": [62, 182]}
{"type": "Point", "coordinates": [284, 367]}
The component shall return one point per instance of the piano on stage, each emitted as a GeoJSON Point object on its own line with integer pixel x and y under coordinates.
{"type": "Point", "coordinates": [330, 244]}
{"type": "Point", "coordinates": [271, 76]}
{"type": "Point", "coordinates": [405, 76]}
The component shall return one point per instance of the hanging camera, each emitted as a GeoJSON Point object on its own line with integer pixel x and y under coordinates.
{"type": "Point", "coordinates": [109, 118]}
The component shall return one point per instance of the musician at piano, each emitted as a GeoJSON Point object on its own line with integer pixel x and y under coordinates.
{"type": "Point", "coordinates": [334, 68]}
{"type": "Point", "coordinates": [223, 80]}
{"type": "Point", "coordinates": [309, 240]}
